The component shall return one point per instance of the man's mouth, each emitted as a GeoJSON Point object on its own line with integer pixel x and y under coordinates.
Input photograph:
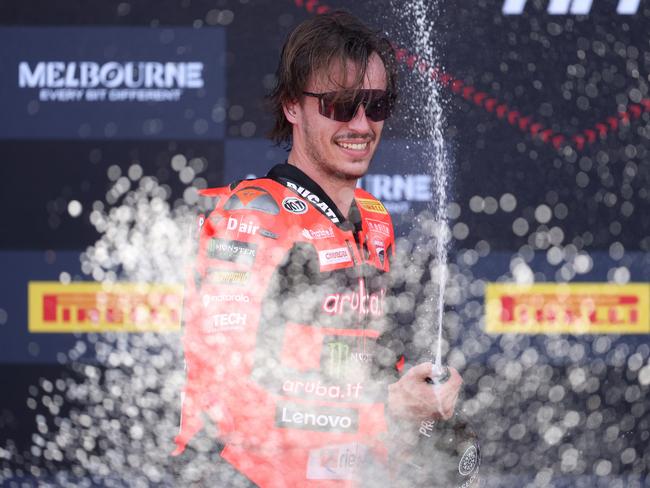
{"type": "Point", "coordinates": [355, 146]}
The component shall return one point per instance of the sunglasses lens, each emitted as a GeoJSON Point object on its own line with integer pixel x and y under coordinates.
{"type": "Point", "coordinates": [342, 106]}
{"type": "Point", "coordinates": [379, 109]}
{"type": "Point", "coordinates": [337, 106]}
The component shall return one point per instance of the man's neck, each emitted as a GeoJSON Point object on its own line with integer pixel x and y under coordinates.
{"type": "Point", "coordinates": [340, 190]}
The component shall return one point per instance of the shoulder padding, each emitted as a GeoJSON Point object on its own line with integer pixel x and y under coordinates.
{"type": "Point", "coordinates": [260, 194]}
{"type": "Point", "coordinates": [361, 193]}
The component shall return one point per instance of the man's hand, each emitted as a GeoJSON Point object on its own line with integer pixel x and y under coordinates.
{"type": "Point", "coordinates": [413, 398]}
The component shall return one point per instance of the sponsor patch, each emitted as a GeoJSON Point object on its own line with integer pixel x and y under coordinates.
{"type": "Point", "coordinates": [321, 419]}
{"type": "Point", "coordinates": [97, 307]}
{"type": "Point", "coordinates": [318, 389]}
{"type": "Point", "coordinates": [359, 301]}
{"type": "Point", "coordinates": [575, 308]}
{"type": "Point", "coordinates": [340, 357]}
{"type": "Point", "coordinates": [294, 205]}
{"type": "Point", "coordinates": [336, 462]}
{"type": "Point", "coordinates": [233, 251]}
{"type": "Point", "coordinates": [228, 321]}
{"type": "Point", "coordinates": [318, 232]}
{"type": "Point", "coordinates": [378, 227]}
{"type": "Point", "coordinates": [225, 298]}
{"type": "Point", "coordinates": [226, 277]}
{"type": "Point", "coordinates": [334, 256]}
{"type": "Point", "coordinates": [371, 205]}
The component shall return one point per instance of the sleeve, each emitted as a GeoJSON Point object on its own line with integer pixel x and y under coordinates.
{"type": "Point", "coordinates": [236, 254]}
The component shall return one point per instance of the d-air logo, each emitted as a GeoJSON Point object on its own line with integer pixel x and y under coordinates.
{"type": "Point", "coordinates": [294, 205]}
{"type": "Point", "coordinates": [566, 7]}
{"type": "Point", "coordinates": [303, 192]}
{"type": "Point", "coordinates": [371, 205]}
{"type": "Point", "coordinates": [243, 227]}
{"type": "Point", "coordinates": [334, 256]}
{"type": "Point", "coordinates": [300, 416]}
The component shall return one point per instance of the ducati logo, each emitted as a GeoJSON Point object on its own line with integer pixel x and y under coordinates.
{"type": "Point", "coordinates": [314, 199]}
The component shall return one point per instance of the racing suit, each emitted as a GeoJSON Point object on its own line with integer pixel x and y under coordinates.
{"type": "Point", "coordinates": [284, 315]}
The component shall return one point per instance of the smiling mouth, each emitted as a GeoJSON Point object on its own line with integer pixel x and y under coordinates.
{"type": "Point", "coordinates": [357, 146]}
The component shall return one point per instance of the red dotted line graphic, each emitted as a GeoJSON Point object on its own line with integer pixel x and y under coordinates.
{"type": "Point", "coordinates": [524, 123]}
{"type": "Point", "coordinates": [312, 6]}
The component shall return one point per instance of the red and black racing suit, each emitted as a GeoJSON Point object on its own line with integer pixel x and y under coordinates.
{"type": "Point", "coordinates": [283, 311]}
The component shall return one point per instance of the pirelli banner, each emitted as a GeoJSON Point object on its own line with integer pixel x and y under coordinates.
{"type": "Point", "coordinates": [97, 307]}
{"type": "Point", "coordinates": [549, 308]}
{"type": "Point", "coordinates": [574, 308]}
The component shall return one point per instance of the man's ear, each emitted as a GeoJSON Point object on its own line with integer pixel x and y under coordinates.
{"type": "Point", "coordinates": [291, 111]}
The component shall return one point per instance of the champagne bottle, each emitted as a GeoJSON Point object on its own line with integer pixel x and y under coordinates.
{"type": "Point", "coordinates": [435, 452]}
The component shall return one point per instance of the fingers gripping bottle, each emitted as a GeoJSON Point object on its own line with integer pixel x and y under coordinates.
{"type": "Point", "coordinates": [435, 452]}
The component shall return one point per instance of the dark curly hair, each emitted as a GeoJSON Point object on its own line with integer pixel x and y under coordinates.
{"type": "Point", "coordinates": [313, 47]}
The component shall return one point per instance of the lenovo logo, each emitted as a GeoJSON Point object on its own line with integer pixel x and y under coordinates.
{"type": "Point", "coordinates": [569, 7]}
{"type": "Point", "coordinates": [324, 419]}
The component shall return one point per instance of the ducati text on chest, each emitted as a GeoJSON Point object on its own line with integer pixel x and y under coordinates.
{"type": "Point", "coordinates": [303, 192]}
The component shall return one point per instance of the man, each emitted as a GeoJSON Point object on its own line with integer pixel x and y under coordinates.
{"type": "Point", "coordinates": [290, 349]}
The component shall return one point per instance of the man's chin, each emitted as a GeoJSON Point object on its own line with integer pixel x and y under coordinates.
{"type": "Point", "coordinates": [355, 170]}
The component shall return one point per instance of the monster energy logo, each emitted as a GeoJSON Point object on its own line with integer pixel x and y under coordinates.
{"type": "Point", "coordinates": [339, 358]}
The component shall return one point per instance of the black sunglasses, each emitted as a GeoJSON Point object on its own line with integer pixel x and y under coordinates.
{"type": "Point", "coordinates": [342, 105]}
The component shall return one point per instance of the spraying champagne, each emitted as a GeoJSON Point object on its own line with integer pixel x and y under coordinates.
{"type": "Point", "coordinates": [435, 452]}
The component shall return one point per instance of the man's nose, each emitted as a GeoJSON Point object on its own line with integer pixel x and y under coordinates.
{"type": "Point", "coordinates": [359, 122]}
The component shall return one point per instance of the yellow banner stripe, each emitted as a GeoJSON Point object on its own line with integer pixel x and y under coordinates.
{"type": "Point", "coordinates": [573, 308]}
{"type": "Point", "coordinates": [96, 307]}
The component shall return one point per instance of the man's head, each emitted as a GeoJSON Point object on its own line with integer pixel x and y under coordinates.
{"type": "Point", "coordinates": [336, 85]}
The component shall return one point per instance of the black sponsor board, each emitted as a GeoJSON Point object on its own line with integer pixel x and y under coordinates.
{"type": "Point", "coordinates": [111, 82]}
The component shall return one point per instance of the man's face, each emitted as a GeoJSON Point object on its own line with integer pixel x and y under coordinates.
{"type": "Point", "coordinates": [341, 150]}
